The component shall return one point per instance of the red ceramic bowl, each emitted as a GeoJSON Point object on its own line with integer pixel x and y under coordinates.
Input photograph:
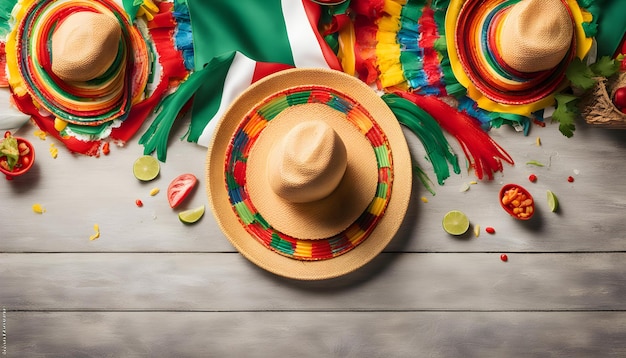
{"type": "Point", "coordinates": [517, 201]}
{"type": "Point", "coordinates": [24, 163]}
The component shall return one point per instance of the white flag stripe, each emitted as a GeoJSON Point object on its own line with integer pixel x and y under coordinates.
{"type": "Point", "coordinates": [306, 52]}
{"type": "Point", "coordinates": [305, 48]}
{"type": "Point", "coordinates": [237, 80]}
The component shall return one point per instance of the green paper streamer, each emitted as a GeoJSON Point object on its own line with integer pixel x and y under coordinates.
{"type": "Point", "coordinates": [155, 138]}
{"type": "Point", "coordinates": [426, 128]}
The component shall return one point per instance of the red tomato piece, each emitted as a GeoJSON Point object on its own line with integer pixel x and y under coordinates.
{"type": "Point", "coordinates": [619, 98]}
{"type": "Point", "coordinates": [105, 148]}
{"type": "Point", "coordinates": [180, 188]}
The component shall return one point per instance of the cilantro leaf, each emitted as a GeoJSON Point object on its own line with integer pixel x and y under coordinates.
{"type": "Point", "coordinates": [565, 113]}
{"type": "Point", "coordinates": [8, 148]}
{"type": "Point", "coordinates": [580, 74]}
{"type": "Point", "coordinates": [605, 67]}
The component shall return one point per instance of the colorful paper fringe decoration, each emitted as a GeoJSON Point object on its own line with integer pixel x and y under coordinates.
{"type": "Point", "coordinates": [485, 156]}
{"type": "Point", "coordinates": [400, 46]}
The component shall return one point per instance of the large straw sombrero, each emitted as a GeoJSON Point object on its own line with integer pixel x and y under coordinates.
{"type": "Point", "coordinates": [82, 61]}
{"type": "Point", "coordinates": [309, 174]}
{"type": "Point", "coordinates": [512, 55]}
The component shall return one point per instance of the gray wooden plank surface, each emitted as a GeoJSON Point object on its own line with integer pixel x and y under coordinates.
{"type": "Point", "coordinates": [227, 282]}
{"type": "Point", "coordinates": [316, 334]}
{"type": "Point", "coordinates": [153, 287]}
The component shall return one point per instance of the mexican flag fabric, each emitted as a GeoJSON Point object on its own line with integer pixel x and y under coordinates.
{"type": "Point", "coordinates": [235, 44]}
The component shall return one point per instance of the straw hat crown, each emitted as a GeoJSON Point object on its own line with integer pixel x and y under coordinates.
{"type": "Point", "coordinates": [536, 35]}
{"type": "Point", "coordinates": [84, 46]}
{"type": "Point", "coordinates": [308, 164]}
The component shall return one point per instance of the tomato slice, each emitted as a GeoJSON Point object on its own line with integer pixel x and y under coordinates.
{"type": "Point", "coordinates": [180, 188]}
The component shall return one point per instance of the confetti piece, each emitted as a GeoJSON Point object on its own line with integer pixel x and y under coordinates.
{"type": "Point", "coordinates": [37, 208]}
{"type": "Point", "coordinates": [155, 191]}
{"type": "Point", "coordinates": [534, 162]}
{"type": "Point", "coordinates": [106, 149]}
{"type": "Point", "coordinates": [570, 179]}
{"type": "Point", "coordinates": [464, 187]}
{"type": "Point", "coordinates": [490, 230]}
{"type": "Point", "coordinates": [54, 151]}
{"type": "Point", "coordinates": [139, 203]}
{"type": "Point", "coordinates": [40, 134]}
{"type": "Point", "coordinates": [538, 142]}
{"type": "Point", "coordinates": [424, 199]}
{"type": "Point", "coordinates": [532, 178]}
{"type": "Point", "coordinates": [96, 229]}
{"type": "Point", "coordinates": [473, 182]}
{"type": "Point", "coordinates": [477, 230]}
{"type": "Point", "coordinates": [504, 257]}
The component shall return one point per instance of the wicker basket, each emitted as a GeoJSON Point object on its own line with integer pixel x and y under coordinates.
{"type": "Point", "coordinates": [597, 105]}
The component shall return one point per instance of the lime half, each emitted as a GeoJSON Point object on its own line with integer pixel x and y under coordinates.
{"type": "Point", "coordinates": [192, 215]}
{"type": "Point", "coordinates": [553, 202]}
{"type": "Point", "coordinates": [146, 168]}
{"type": "Point", "coordinates": [455, 222]}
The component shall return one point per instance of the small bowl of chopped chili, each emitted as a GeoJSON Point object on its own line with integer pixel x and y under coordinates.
{"type": "Point", "coordinates": [17, 155]}
{"type": "Point", "coordinates": [517, 201]}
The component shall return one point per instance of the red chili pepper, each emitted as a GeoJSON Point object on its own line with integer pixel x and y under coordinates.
{"type": "Point", "coordinates": [570, 179]}
{"type": "Point", "coordinates": [532, 178]}
{"type": "Point", "coordinates": [504, 257]}
{"type": "Point", "coordinates": [490, 230]}
{"type": "Point", "coordinates": [139, 203]}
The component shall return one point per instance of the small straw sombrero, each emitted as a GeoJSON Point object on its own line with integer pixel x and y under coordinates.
{"type": "Point", "coordinates": [309, 174]}
{"type": "Point", "coordinates": [82, 61]}
{"type": "Point", "coordinates": [512, 55]}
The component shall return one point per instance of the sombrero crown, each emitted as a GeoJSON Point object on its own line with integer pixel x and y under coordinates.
{"type": "Point", "coordinates": [308, 163]}
{"type": "Point", "coordinates": [532, 42]}
{"type": "Point", "coordinates": [84, 46]}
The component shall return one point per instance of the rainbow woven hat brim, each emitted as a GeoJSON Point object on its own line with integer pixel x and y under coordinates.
{"type": "Point", "coordinates": [471, 26]}
{"type": "Point", "coordinates": [89, 103]}
{"type": "Point", "coordinates": [227, 163]}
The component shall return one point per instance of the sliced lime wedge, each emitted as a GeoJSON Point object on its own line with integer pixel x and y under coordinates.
{"type": "Point", "coordinates": [455, 222]}
{"type": "Point", "coordinates": [146, 168]}
{"type": "Point", "coordinates": [192, 215]}
{"type": "Point", "coordinates": [553, 202]}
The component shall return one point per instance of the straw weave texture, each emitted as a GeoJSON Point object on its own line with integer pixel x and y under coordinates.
{"type": "Point", "coordinates": [597, 105]}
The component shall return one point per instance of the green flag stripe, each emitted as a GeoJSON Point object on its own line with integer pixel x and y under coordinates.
{"type": "Point", "coordinates": [255, 28]}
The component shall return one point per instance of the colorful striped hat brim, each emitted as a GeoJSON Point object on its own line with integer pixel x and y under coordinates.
{"type": "Point", "coordinates": [229, 175]}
